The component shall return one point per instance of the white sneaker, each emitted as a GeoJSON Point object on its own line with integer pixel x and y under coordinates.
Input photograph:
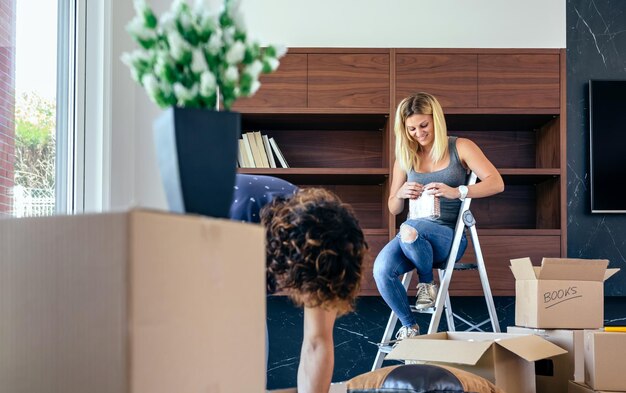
{"type": "Point", "coordinates": [407, 331]}
{"type": "Point", "coordinates": [426, 295]}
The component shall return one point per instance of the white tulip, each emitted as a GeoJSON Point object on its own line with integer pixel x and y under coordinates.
{"type": "Point", "coordinates": [229, 35]}
{"type": "Point", "coordinates": [231, 74]}
{"type": "Point", "coordinates": [151, 84]}
{"type": "Point", "coordinates": [167, 21]}
{"type": "Point", "coordinates": [136, 28]}
{"type": "Point", "coordinates": [183, 94]}
{"type": "Point", "coordinates": [140, 6]}
{"type": "Point", "coordinates": [177, 5]}
{"type": "Point", "coordinates": [254, 69]}
{"type": "Point", "coordinates": [207, 83]}
{"type": "Point", "coordinates": [198, 61]}
{"type": "Point", "coordinates": [236, 53]}
{"type": "Point", "coordinates": [273, 63]}
{"type": "Point", "coordinates": [215, 42]}
{"type": "Point", "coordinates": [178, 45]}
{"type": "Point", "coordinates": [280, 50]}
{"type": "Point", "coordinates": [254, 87]}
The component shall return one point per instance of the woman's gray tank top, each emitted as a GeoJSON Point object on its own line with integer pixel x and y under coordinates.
{"type": "Point", "coordinates": [453, 175]}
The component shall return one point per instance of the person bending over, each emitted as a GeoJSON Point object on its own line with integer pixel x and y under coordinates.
{"type": "Point", "coordinates": [427, 161]}
{"type": "Point", "coordinates": [314, 254]}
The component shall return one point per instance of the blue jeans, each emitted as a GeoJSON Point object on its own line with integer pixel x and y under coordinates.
{"type": "Point", "coordinates": [421, 245]}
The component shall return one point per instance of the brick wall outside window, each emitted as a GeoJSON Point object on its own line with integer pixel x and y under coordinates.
{"type": "Point", "coordinates": [7, 103]}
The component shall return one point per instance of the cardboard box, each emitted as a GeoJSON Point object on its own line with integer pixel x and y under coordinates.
{"type": "Point", "coordinates": [504, 359]}
{"type": "Point", "coordinates": [131, 303]}
{"type": "Point", "coordinates": [552, 375]}
{"type": "Point", "coordinates": [562, 293]}
{"type": "Point", "coordinates": [604, 360]}
{"type": "Point", "coordinates": [580, 387]}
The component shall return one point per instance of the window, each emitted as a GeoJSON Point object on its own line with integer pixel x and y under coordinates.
{"type": "Point", "coordinates": [36, 63]}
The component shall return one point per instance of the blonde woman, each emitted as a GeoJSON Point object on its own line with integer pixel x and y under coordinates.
{"type": "Point", "coordinates": [428, 161]}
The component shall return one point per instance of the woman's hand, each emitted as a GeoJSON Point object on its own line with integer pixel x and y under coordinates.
{"type": "Point", "coordinates": [410, 190]}
{"type": "Point", "coordinates": [442, 190]}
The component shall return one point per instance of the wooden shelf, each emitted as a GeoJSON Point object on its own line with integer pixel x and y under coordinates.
{"type": "Point", "coordinates": [313, 111]}
{"type": "Point", "coordinates": [528, 176]}
{"type": "Point", "coordinates": [518, 232]}
{"type": "Point", "coordinates": [314, 120]}
{"type": "Point", "coordinates": [316, 176]}
{"type": "Point", "coordinates": [331, 111]}
{"type": "Point", "coordinates": [498, 119]}
{"type": "Point", "coordinates": [376, 231]}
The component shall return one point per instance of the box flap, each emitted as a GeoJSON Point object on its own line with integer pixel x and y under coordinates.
{"type": "Point", "coordinates": [523, 269]}
{"type": "Point", "coordinates": [531, 347]}
{"type": "Point", "coordinates": [445, 351]}
{"type": "Point", "coordinates": [609, 273]}
{"type": "Point", "coordinates": [573, 269]}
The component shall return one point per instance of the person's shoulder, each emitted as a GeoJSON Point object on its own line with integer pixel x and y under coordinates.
{"type": "Point", "coordinates": [464, 144]}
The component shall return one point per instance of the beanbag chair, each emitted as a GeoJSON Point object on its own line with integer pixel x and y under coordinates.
{"type": "Point", "coordinates": [420, 378]}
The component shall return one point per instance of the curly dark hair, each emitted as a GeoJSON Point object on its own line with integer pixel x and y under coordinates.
{"type": "Point", "coordinates": [315, 249]}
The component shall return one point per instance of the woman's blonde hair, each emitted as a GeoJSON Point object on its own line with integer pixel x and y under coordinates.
{"type": "Point", "coordinates": [406, 147]}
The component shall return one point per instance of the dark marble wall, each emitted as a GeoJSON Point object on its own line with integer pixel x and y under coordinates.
{"type": "Point", "coordinates": [596, 49]}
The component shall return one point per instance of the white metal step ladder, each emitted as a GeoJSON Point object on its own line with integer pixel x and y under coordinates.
{"type": "Point", "coordinates": [465, 220]}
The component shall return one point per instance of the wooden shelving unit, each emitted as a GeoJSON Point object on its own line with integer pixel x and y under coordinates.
{"type": "Point", "coordinates": [331, 112]}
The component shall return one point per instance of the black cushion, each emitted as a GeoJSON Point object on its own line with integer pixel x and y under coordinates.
{"type": "Point", "coordinates": [420, 378]}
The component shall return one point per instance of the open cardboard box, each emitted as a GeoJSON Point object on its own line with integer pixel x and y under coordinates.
{"type": "Point", "coordinates": [504, 359]}
{"type": "Point", "coordinates": [552, 375]}
{"type": "Point", "coordinates": [561, 293]}
{"type": "Point", "coordinates": [131, 302]}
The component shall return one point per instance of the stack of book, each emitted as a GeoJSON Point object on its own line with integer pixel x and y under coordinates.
{"type": "Point", "coordinates": [257, 151]}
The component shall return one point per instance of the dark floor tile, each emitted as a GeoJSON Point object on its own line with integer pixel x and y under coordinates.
{"type": "Point", "coordinates": [355, 334]}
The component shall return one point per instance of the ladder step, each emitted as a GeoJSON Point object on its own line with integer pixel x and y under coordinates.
{"type": "Point", "coordinates": [384, 348]}
{"type": "Point", "coordinates": [465, 266]}
{"type": "Point", "coordinates": [429, 310]}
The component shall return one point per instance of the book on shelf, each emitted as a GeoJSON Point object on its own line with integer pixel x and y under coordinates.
{"type": "Point", "coordinates": [242, 156]}
{"type": "Point", "coordinates": [278, 153]}
{"type": "Point", "coordinates": [268, 151]}
{"type": "Point", "coordinates": [259, 142]}
{"type": "Point", "coordinates": [248, 151]}
{"type": "Point", "coordinates": [256, 151]}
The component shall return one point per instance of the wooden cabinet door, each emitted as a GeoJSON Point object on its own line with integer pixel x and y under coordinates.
{"type": "Point", "coordinates": [375, 243]}
{"type": "Point", "coordinates": [518, 80]}
{"type": "Point", "coordinates": [285, 88]}
{"type": "Point", "coordinates": [451, 78]}
{"type": "Point", "coordinates": [348, 80]}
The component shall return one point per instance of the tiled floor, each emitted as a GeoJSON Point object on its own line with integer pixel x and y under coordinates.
{"type": "Point", "coordinates": [356, 333]}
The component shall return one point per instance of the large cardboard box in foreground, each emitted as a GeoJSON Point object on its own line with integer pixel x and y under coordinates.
{"type": "Point", "coordinates": [604, 360]}
{"type": "Point", "coordinates": [504, 359]}
{"type": "Point", "coordinates": [131, 303]}
{"type": "Point", "coordinates": [552, 375]}
{"type": "Point", "coordinates": [562, 293]}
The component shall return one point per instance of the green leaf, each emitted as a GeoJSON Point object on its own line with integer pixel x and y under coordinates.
{"type": "Point", "coordinates": [270, 51]}
{"type": "Point", "coordinates": [149, 18]}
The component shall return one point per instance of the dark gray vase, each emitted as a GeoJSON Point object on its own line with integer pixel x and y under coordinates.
{"type": "Point", "coordinates": [197, 156]}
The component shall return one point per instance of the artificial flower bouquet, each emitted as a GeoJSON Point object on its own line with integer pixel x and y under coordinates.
{"type": "Point", "coordinates": [196, 57]}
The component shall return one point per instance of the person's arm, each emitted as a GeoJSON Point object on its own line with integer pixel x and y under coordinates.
{"type": "Point", "coordinates": [317, 355]}
{"type": "Point", "coordinates": [473, 158]}
{"type": "Point", "coordinates": [400, 190]}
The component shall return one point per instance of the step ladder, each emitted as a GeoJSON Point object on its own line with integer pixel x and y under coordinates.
{"type": "Point", "coordinates": [465, 221]}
